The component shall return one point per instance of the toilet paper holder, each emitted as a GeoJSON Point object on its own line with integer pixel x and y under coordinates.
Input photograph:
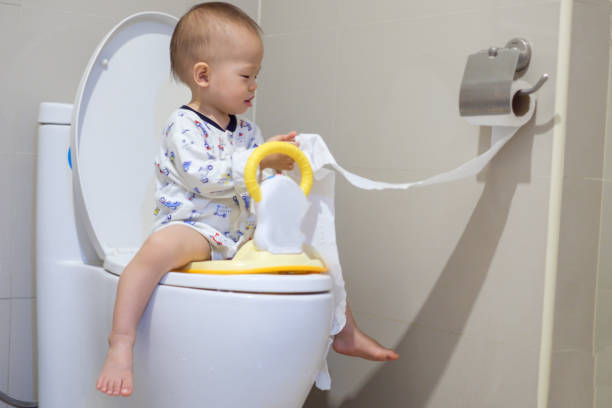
{"type": "Point", "coordinates": [488, 76]}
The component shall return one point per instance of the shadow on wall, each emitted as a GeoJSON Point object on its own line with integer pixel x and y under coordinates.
{"type": "Point", "coordinates": [412, 383]}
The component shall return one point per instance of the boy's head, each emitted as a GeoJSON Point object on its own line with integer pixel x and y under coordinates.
{"type": "Point", "coordinates": [209, 33]}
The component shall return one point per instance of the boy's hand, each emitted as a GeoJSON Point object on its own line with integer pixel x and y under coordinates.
{"type": "Point", "coordinates": [279, 161]}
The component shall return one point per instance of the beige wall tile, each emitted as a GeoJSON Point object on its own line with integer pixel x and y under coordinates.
{"type": "Point", "coordinates": [251, 7]}
{"type": "Point", "coordinates": [603, 396]}
{"type": "Point", "coordinates": [22, 259]}
{"type": "Point", "coordinates": [290, 16]}
{"type": "Point", "coordinates": [571, 384]}
{"type": "Point", "coordinates": [5, 279]}
{"type": "Point", "coordinates": [118, 10]}
{"type": "Point", "coordinates": [114, 9]}
{"type": "Point", "coordinates": [296, 86]}
{"type": "Point", "coordinates": [603, 323]}
{"type": "Point", "coordinates": [5, 322]}
{"type": "Point", "coordinates": [579, 233]}
{"type": "Point", "coordinates": [574, 315]}
{"type": "Point", "coordinates": [604, 280]}
{"type": "Point", "coordinates": [11, 19]}
{"type": "Point", "coordinates": [64, 42]}
{"type": "Point", "coordinates": [598, 3]}
{"type": "Point", "coordinates": [577, 268]}
{"type": "Point", "coordinates": [7, 207]}
{"type": "Point", "coordinates": [22, 374]}
{"type": "Point", "coordinates": [355, 13]}
{"type": "Point", "coordinates": [603, 372]}
{"type": "Point", "coordinates": [587, 92]}
{"type": "Point", "coordinates": [364, 12]}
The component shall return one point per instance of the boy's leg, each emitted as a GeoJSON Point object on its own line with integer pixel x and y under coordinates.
{"type": "Point", "coordinates": [353, 342]}
{"type": "Point", "coordinates": [166, 249]}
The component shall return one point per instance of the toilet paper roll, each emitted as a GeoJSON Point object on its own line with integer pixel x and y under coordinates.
{"type": "Point", "coordinates": [319, 225]}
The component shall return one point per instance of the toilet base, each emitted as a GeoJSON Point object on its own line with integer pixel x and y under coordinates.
{"type": "Point", "coordinates": [204, 347]}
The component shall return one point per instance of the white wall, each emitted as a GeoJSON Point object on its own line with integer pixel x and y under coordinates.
{"type": "Point", "coordinates": [45, 45]}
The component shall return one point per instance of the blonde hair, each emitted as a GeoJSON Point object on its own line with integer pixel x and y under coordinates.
{"type": "Point", "coordinates": [196, 31]}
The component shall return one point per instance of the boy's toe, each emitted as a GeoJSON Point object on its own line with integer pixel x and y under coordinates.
{"type": "Point", "coordinates": [392, 356]}
{"type": "Point", "coordinates": [114, 389]}
{"type": "Point", "coordinates": [103, 384]}
{"type": "Point", "coordinates": [126, 387]}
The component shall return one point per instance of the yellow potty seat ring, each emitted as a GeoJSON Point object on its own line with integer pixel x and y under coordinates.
{"type": "Point", "coordinates": [250, 170]}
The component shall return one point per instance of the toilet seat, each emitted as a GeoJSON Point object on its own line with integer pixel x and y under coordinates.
{"type": "Point", "coordinates": [122, 103]}
{"type": "Point", "coordinates": [262, 283]}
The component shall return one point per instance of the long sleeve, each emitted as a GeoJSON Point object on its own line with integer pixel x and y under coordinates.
{"type": "Point", "coordinates": [206, 162]}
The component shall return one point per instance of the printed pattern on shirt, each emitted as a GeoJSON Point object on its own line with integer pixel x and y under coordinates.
{"type": "Point", "coordinates": [200, 179]}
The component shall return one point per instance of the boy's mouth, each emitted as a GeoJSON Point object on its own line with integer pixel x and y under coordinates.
{"type": "Point", "coordinates": [249, 101]}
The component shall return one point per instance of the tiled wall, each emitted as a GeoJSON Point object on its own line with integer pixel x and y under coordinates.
{"type": "Point", "coordinates": [45, 45]}
{"type": "Point", "coordinates": [574, 344]}
{"type": "Point", "coordinates": [451, 276]}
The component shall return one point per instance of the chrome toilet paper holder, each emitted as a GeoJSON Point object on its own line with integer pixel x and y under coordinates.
{"type": "Point", "coordinates": [488, 76]}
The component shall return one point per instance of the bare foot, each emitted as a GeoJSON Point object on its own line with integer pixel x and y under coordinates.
{"type": "Point", "coordinates": [353, 342]}
{"type": "Point", "coordinates": [116, 377]}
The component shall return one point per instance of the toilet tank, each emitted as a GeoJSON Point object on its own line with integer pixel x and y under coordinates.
{"type": "Point", "coordinates": [57, 237]}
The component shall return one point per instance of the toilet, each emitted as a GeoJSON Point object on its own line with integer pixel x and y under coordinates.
{"type": "Point", "coordinates": [218, 341]}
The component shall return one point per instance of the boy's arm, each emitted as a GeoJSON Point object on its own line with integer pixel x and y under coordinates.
{"type": "Point", "coordinates": [240, 161]}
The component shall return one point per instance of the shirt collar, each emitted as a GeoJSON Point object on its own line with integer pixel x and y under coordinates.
{"type": "Point", "coordinates": [231, 126]}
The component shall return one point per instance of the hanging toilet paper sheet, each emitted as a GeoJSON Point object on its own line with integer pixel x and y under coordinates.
{"type": "Point", "coordinates": [319, 222]}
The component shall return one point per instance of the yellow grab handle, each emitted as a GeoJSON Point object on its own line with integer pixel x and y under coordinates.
{"type": "Point", "coordinates": [250, 170]}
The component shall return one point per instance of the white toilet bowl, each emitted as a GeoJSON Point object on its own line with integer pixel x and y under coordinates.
{"type": "Point", "coordinates": [204, 340]}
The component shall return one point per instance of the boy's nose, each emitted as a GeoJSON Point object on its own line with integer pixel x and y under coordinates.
{"type": "Point", "coordinates": [253, 86]}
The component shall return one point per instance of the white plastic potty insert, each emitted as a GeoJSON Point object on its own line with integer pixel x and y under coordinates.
{"type": "Point", "coordinates": [204, 340]}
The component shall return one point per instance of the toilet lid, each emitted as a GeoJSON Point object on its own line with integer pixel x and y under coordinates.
{"type": "Point", "coordinates": [122, 103]}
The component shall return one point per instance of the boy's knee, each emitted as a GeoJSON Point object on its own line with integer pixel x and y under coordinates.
{"type": "Point", "coordinates": [158, 247]}
{"type": "Point", "coordinates": [175, 246]}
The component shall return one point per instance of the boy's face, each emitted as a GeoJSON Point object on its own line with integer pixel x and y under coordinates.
{"type": "Point", "coordinates": [233, 74]}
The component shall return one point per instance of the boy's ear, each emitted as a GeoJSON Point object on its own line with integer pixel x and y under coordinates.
{"type": "Point", "coordinates": [201, 73]}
